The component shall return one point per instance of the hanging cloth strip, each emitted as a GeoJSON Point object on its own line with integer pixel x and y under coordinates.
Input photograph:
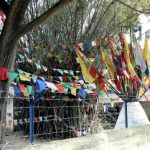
{"type": "Point", "coordinates": [4, 74]}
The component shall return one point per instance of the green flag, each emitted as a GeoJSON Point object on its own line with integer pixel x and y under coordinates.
{"type": "Point", "coordinates": [12, 75]}
{"type": "Point", "coordinates": [30, 90]}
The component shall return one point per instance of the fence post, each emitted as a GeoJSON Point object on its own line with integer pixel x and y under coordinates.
{"type": "Point", "coordinates": [126, 114]}
{"type": "Point", "coordinates": [31, 111]}
{"type": "Point", "coordinates": [31, 115]}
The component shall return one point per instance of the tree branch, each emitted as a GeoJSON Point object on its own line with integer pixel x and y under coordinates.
{"type": "Point", "coordinates": [49, 14]}
{"type": "Point", "coordinates": [4, 6]}
{"type": "Point", "coordinates": [140, 11]}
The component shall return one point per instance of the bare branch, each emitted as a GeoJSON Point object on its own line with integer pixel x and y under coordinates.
{"type": "Point", "coordinates": [49, 14]}
{"type": "Point", "coordinates": [140, 11]}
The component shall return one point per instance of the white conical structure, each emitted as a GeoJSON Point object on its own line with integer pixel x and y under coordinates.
{"type": "Point", "coordinates": [135, 114]}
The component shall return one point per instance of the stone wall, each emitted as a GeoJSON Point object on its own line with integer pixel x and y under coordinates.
{"type": "Point", "coordinates": [133, 138]}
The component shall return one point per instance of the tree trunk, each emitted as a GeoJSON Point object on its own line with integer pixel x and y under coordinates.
{"type": "Point", "coordinates": [6, 61]}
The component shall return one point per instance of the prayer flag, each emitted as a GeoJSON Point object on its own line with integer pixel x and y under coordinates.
{"type": "Point", "coordinates": [73, 91]}
{"type": "Point", "coordinates": [51, 86]}
{"type": "Point", "coordinates": [146, 50]}
{"type": "Point", "coordinates": [34, 77]}
{"type": "Point", "coordinates": [4, 74]}
{"type": "Point", "coordinates": [87, 77]}
{"type": "Point", "coordinates": [24, 77]}
{"type": "Point", "coordinates": [60, 88]}
{"type": "Point", "coordinates": [40, 85]}
{"type": "Point", "coordinates": [12, 75]}
{"type": "Point", "coordinates": [17, 91]}
{"type": "Point", "coordinates": [82, 93]}
{"type": "Point", "coordinates": [139, 59]}
{"type": "Point", "coordinates": [30, 90]}
{"type": "Point", "coordinates": [109, 64]}
{"type": "Point", "coordinates": [127, 55]}
{"type": "Point", "coordinates": [23, 89]}
{"type": "Point", "coordinates": [60, 71]}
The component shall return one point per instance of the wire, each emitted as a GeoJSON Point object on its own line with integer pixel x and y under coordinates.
{"type": "Point", "coordinates": [132, 7]}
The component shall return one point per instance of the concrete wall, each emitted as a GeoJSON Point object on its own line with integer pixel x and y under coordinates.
{"type": "Point", "coordinates": [128, 139]}
{"type": "Point", "coordinates": [146, 106]}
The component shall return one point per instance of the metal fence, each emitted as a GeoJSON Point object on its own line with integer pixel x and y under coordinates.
{"type": "Point", "coordinates": [56, 116]}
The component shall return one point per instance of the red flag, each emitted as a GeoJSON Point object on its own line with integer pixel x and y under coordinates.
{"type": "Point", "coordinates": [2, 16]}
{"type": "Point", "coordinates": [4, 74]}
{"type": "Point", "coordinates": [60, 88]}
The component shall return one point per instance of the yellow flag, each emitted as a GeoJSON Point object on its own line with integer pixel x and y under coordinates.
{"type": "Point", "coordinates": [146, 50]}
{"type": "Point", "coordinates": [87, 77]}
{"type": "Point", "coordinates": [66, 71]}
{"type": "Point", "coordinates": [59, 58]}
{"type": "Point", "coordinates": [25, 92]}
{"type": "Point", "coordinates": [24, 77]}
{"type": "Point", "coordinates": [76, 77]}
{"type": "Point", "coordinates": [127, 57]}
{"type": "Point", "coordinates": [37, 48]}
{"type": "Point", "coordinates": [110, 66]}
{"type": "Point", "coordinates": [145, 80]}
{"type": "Point", "coordinates": [73, 91]}
{"type": "Point", "coordinates": [91, 59]}
{"type": "Point", "coordinates": [49, 54]}
{"type": "Point", "coordinates": [78, 86]}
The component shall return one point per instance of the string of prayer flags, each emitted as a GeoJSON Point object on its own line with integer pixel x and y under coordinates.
{"type": "Point", "coordinates": [4, 74]}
